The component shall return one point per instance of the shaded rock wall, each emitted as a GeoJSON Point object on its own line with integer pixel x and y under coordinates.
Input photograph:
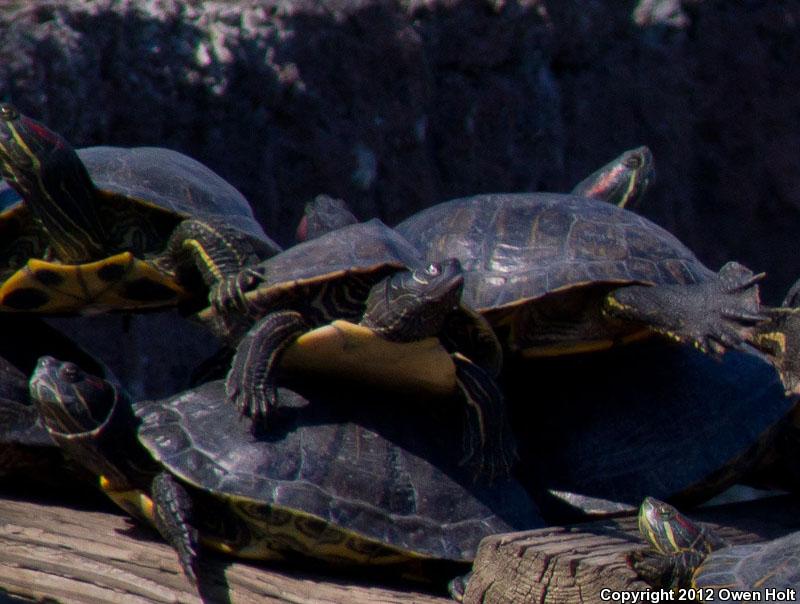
{"type": "Point", "coordinates": [395, 105]}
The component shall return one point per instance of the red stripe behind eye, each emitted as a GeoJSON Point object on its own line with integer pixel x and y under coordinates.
{"type": "Point", "coordinates": [43, 133]}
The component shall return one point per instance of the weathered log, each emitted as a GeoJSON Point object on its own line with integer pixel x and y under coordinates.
{"type": "Point", "coordinates": [71, 555]}
{"type": "Point", "coordinates": [559, 565]}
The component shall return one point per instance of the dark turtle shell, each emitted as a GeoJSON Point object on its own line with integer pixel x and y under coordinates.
{"type": "Point", "coordinates": [357, 248]}
{"type": "Point", "coordinates": [522, 247]}
{"type": "Point", "coordinates": [650, 418]}
{"type": "Point", "coordinates": [147, 191]}
{"type": "Point", "coordinates": [340, 481]}
{"type": "Point", "coordinates": [754, 566]}
{"type": "Point", "coordinates": [170, 180]}
{"type": "Point", "coordinates": [330, 276]}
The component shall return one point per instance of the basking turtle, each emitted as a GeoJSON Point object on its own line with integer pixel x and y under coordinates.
{"type": "Point", "coordinates": [26, 450]}
{"type": "Point", "coordinates": [622, 181]}
{"type": "Point", "coordinates": [557, 274]}
{"type": "Point", "coordinates": [636, 423]}
{"type": "Point", "coordinates": [686, 554]}
{"type": "Point", "coordinates": [113, 228]}
{"type": "Point", "coordinates": [359, 277]}
{"type": "Point", "coordinates": [322, 215]}
{"type": "Point", "coordinates": [381, 492]}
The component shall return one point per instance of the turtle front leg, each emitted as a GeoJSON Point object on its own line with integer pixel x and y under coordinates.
{"type": "Point", "coordinates": [489, 446]}
{"type": "Point", "coordinates": [714, 315]}
{"type": "Point", "coordinates": [172, 513]}
{"type": "Point", "coordinates": [250, 384]}
{"type": "Point", "coordinates": [215, 249]}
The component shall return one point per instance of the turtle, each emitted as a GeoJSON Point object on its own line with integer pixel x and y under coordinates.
{"type": "Point", "coordinates": [623, 181]}
{"type": "Point", "coordinates": [687, 555]}
{"type": "Point", "coordinates": [27, 453]}
{"type": "Point", "coordinates": [560, 274]}
{"type": "Point", "coordinates": [321, 215]}
{"type": "Point", "coordinates": [344, 484]}
{"type": "Point", "coordinates": [637, 423]}
{"type": "Point", "coordinates": [114, 228]}
{"type": "Point", "coordinates": [370, 283]}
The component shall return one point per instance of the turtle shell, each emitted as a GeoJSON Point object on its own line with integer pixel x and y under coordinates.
{"type": "Point", "coordinates": [555, 255]}
{"type": "Point", "coordinates": [330, 276]}
{"type": "Point", "coordinates": [146, 192]}
{"type": "Point", "coordinates": [754, 566]}
{"type": "Point", "coordinates": [357, 248]}
{"type": "Point", "coordinates": [650, 418]}
{"type": "Point", "coordinates": [370, 490]}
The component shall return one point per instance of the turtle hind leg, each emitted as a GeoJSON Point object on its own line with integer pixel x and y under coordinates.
{"type": "Point", "coordinates": [713, 315]}
{"type": "Point", "coordinates": [250, 384]}
{"type": "Point", "coordinates": [172, 512]}
{"type": "Point", "coordinates": [489, 445]}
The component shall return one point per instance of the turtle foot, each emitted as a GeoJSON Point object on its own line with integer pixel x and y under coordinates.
{"type": "Point", "coordinates": [714, 315]}
{"type": "Point", "coordinates": [457, 587]}
{"type": "Point", "coordinates": [250, 385]}
{"type": "Point", "coordinates": [489, 446]}
{"type": "Point", "coordinates": [172, 509]}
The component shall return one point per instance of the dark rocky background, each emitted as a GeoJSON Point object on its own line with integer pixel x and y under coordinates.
{"type": "Point", "coordinates": [395, 105]}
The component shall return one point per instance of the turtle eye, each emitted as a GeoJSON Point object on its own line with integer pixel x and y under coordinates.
{"type": "Point", "coordinates": [433, 269]}
{"type": "Point", "coordinates": [69, 372]}
{"type": "Point", "coordinates": [665, 511]}
{"type": "Point", "coordinates": [634, 162]}
{"type": "Point", "coordinates": [8, 111]}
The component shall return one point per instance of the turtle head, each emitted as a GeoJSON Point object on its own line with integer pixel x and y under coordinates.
{"type": "Point", "coordinates": [415, 303]}
{"type": "Point", "coordinates": [323, 215]}
{"type": "Point", "coordinates": [52, 180]}
{"type": "Point", "coordinates": [669, 531]}
{"type": "Point", "coordinates": [70, 400]}
{"type": "Point", "coordinates": [622, 181]}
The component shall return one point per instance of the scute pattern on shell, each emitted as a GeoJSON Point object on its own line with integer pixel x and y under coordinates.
{"type": "Point", "coordinates": [339, 472]}
{"type": "Point", "coordinates": [170, 180]}
{"type": "Point", "coordinates": [523, 246]}
{"type": "Point", "coordinates": [770, 564]}
{"type": "Point", "coordinates": [360, 247]}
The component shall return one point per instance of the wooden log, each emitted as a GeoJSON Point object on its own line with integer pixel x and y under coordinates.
{"type": "Point", "coordinates": [560, 565]}
{"type": "Point", "coordinates": [49, 551]}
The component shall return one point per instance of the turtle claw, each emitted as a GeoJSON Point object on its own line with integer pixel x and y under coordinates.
{"type": "Point", "coordinates": [714, 315]}
{"type": "Point", "coordinates": [250, 385]}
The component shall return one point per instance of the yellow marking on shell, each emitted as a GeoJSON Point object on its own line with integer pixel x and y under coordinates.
{"type": "Point", "coordinates": [581, 347]}
{"type": "Point", "coordinates": [344, 349]}
{"type": "Point", "coordinates": [566, 349]}
{"type": "Point", "coordinates": [259, 547]}
{"type": "Point", "coordinates": [80, 288]}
